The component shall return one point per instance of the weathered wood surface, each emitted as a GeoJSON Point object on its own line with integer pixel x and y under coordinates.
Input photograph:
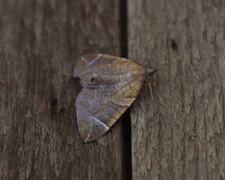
{"type": "Point", "coordinates": [181, 134]}
{"type": "Point", "coordinates": [40, 40]}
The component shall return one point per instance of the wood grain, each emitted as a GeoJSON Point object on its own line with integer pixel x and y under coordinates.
{"type": "Point", "coordinates": [40, 40]}
{"type": "Point", "coordinates": [181, 134]}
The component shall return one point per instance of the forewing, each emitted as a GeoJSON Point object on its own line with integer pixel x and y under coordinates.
{"type": "Point", "coordinates": [101, 69]}
{"type": "Point", "coordinates": [90, 63]}
{"type": "Point", "coordinates": [98, 109]}
{"type": "Point", "coordinates": [89, 126]}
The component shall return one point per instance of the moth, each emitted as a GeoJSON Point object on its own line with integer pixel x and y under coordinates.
{"type": "Point", "coordinates": [110, 86]}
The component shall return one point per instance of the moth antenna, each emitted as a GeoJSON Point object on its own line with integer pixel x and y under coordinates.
{"type": "Point", "coordinates": [150, 89]}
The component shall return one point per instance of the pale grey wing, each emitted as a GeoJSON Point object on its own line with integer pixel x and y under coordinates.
{"type": "Point", "coordinates": [90, 63]}
{"type": "Point", "coordinates": [98, 109]}
{"type": "Point", "coordinates": [91, 126]}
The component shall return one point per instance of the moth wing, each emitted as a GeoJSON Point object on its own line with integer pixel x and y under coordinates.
{"type": "Point", "coordinates": [91, 63]}
{"type": "Point", "coordinates": [88, 125]}
{"type": "Point", "coordinates": [98, 109]}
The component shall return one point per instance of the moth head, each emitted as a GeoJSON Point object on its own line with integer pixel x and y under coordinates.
{"type": "Point", "coordinates": [151, 70]}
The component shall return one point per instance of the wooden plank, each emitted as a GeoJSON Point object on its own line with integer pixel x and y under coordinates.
{"type": "Point", "coordinates": [40, 40]}
{"type": "Point", "coordinates": [179, 135]}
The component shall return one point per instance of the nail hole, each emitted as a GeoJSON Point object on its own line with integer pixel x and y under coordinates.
{"type": "Point", "coordinates": [174, 45]}
{"type": "Point", "coordinates": [53, 108]}
{"type": "Point", "coordinates": [53, 102]}
{"type": "Point", "coordinates": [62, 110]}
